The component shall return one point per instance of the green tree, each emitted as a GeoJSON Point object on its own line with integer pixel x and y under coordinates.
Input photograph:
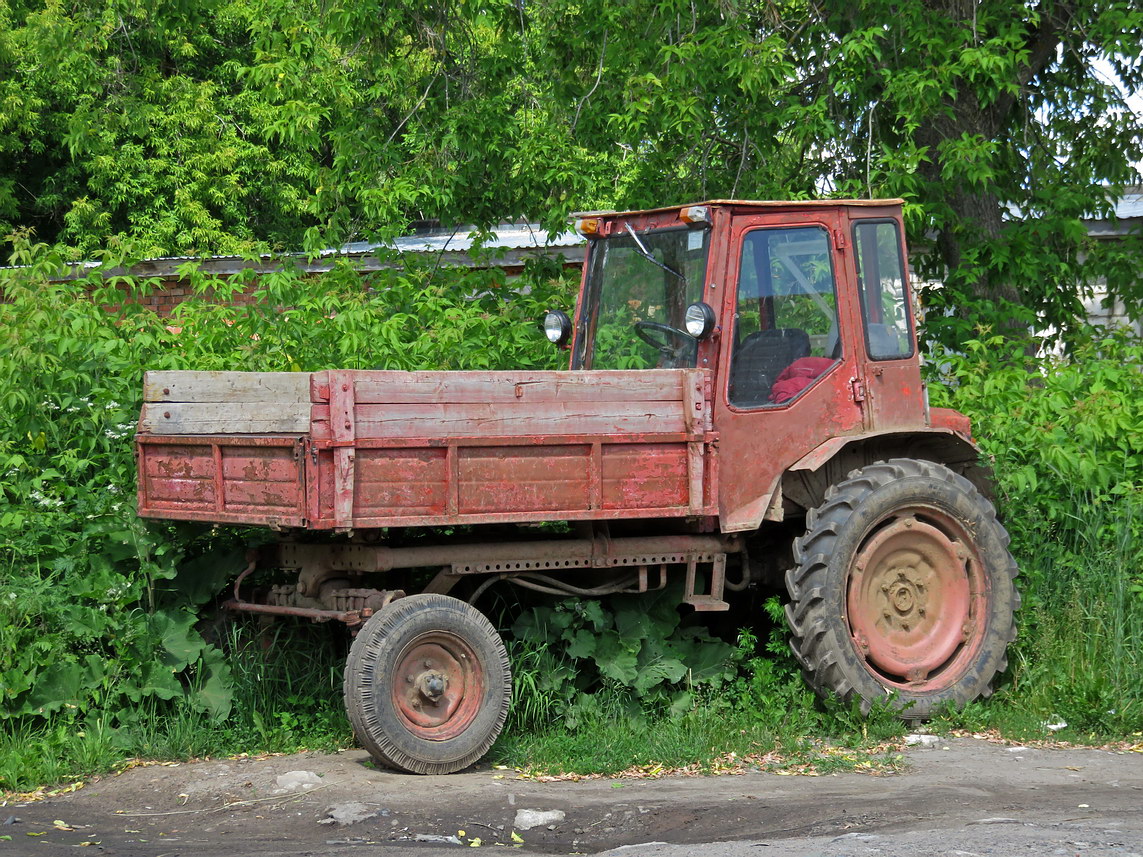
{"type": "Point", "coordinates": [130, 121]}
{"type": "Point", "coordinates": [999, 125]}
{"type": "Point", "coordinates": [232, 125]}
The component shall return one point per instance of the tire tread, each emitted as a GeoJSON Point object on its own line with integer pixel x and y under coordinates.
{"type": "Point", "coordinates": [808, 612]}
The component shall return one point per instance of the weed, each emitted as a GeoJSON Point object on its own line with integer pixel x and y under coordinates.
{"type": "Point", "coordinates": [101, 652]}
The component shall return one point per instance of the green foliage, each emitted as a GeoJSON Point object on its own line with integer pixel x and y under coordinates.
{"type": "Point", "coordinates": [240, 125]}
{"type": "Point", "coordinates": [97, 607]}
{"type": "Point", "coordinates": [629, 656]}
{"type": "Point", "coordinates": [706, 738]}
{"type": "Point", "coordinates": [286, 698]}
{"type": "Point", "coordinates": [1063, 435]}
{"type": "Point", "coordinates": [984, 123]}
{"type": "Point", "coordinates": [585, 714]}
{"type": "Point", "coordinates": [767, 678]}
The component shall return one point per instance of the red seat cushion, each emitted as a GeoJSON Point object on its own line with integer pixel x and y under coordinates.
{"type": "Point", "coordinates": [797, 376]}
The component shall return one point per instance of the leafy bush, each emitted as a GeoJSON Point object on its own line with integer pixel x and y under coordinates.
{"type": "Point", "coordinates": [630, 655]}
{"type": "Point", "coordinates": [98, 608]}
{"type": "Point", "coordinates": [1063, 434]}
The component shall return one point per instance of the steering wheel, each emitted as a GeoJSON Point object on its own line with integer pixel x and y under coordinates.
{"type": "Point", "coordinates": [643, 331]}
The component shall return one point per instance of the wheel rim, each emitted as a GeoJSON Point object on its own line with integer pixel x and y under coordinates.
{"type": "Point", "coordinates": [915, 600]}
{"type": "Point", "coordinates": [437, 686]}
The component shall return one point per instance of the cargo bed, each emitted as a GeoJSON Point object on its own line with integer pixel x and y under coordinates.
{"type": "Point", "coordinates": [364, 449]}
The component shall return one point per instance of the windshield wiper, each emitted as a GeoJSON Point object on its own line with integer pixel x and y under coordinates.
{"type": "Point", "coordinates": [646, 254]}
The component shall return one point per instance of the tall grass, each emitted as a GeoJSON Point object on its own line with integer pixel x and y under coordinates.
{"type": "Point", "coordinates": [287, 698]}
{"type": "Point", "coordinates": [1064, 435]}
{"type": "Point", "coordinates": [1080, 658]}
{"type": "Point", "coordinates": [97, 606]}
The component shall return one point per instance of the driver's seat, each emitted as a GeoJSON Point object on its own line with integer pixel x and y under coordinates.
{"type": "Point", "coordinates": [759, 359]}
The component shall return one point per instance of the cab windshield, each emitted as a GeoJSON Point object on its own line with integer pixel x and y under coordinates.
{"type": "Point", "coordinates": [638, 290]}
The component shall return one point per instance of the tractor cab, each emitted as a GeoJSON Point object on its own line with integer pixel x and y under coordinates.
{"type": "Point", "coordinates": [801, 310]}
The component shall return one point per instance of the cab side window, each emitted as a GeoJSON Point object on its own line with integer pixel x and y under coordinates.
{"type": "Point", "coordinates": [881, 281]}
{"type": "Point", "coordinates": [785, 324]}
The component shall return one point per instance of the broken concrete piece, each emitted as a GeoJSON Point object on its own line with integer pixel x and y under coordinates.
{"type": "Point", "coordinates": [294, 780]}
{"type": "Point", "coordinates": [526, 819]}
{"type": "Point", "coordinates": [343, 814]}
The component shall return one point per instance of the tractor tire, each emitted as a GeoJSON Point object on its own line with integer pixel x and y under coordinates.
{"type": "Point", "coordinates": [427, 685]}
{"type": "Point", "coordinates": [903, 589]}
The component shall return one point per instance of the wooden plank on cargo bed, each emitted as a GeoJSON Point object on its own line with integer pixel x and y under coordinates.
{"type": "Point", "coordinates": [342, 421]}
{"type": "Point", "coordinates": [194, 386]}
{"type": "Point", "coordinates": [451, 419]}
{"type": "Point", "coordinates": [225, 418]}
{"type": "Point", "coordinates": [648, 385]}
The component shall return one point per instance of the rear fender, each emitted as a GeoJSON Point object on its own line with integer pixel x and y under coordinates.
{"type": "Point", "coordinates": [803, 485]}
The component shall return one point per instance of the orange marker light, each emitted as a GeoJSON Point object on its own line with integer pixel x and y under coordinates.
{"type": "Point", "coordinates": [695, 214]}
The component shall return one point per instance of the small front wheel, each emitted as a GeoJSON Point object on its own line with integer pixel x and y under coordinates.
{"type": "Point", "coordinates": [903, 585]}
{"type": "Point", "coordinates": [427, 685]}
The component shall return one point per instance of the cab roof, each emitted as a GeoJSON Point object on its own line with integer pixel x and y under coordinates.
{"type": "Point", "coordinates": [753, 203]}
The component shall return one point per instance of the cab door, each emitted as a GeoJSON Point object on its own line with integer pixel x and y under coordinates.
{"type": "Point", "coordinates": [892, 384]}
{"type": "Point", "coordinates": [789, 374]}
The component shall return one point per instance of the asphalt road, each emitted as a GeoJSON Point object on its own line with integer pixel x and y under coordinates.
{"type": "Point", "coordinates": [961, 797]}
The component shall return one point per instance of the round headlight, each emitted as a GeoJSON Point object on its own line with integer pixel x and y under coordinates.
{"type": "Point", "coordinates": [557, 327]}
{"type": "Point", "coordinates": [699, 320]}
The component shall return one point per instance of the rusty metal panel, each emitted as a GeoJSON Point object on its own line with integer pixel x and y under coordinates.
{"type": "Point", "coordinates": [343, 426]}
{"type": "Point", "coordinates": [645, 476]}
{"type": "Point", "coordinates": [445, 419]}
{"type": "Point", "coordinates": [520, 440]}
{"type": "Point", "coordinates": [946, 418]}
{"type": "Point", "coordinates": [516, 387]}
{"type": "Point", "coordinates": [176, 476]}
{"type": "Point", "coordinates": [261, 464]}
{"type": "Point", "coordinates": [243, 480]}
{"type": "Point", "coordinates": [395, 482]}
{"type": "Point", "coordinates": [319, 488]}
{"type": "Point", "coordinates": [432, 448]}
{"type": "Point", "coordinates": [761, 441]}
{"type": "Point", "coordinates": [423, 483]}
{"type": "Point", "coordinates": [320, 430]}
{"type": "Point", "coordinates": [495, 447]}
{"type": "Point", "coordinates": [518, 517]}
{"type": "Point", "coordinates": [529, 479]}
{"type": "Point", "coordinates": [262, 479]}
{"type": "Point", "coordinates": [189, 461]}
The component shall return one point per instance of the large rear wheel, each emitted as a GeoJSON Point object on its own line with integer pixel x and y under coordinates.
{"type": "Point", "coordinates": [427, 685]}
{"type": "Point", "coordinates": [903, 585]}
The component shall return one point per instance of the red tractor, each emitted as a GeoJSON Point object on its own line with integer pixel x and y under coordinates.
{"type": "Point", "coordinates": [744, 405]}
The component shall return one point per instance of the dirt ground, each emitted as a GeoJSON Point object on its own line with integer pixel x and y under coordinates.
{"type": "Point", "coordinates": [955, 797]}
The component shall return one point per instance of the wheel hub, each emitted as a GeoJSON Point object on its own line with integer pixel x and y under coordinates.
{"type": "Point", "coordinates": [911, 595]}
{"type": "Point", "coordinates": [904, 596]}
{"type": "Point", "coordinates": [438, 686]}
{"type": "Point", "coordinates": [432, 686]}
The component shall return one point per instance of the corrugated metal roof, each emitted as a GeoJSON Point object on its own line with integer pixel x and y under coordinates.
{"type": "Point", "coordinates": [509, 245]}
{"type": "Point", "coordinates": [529, 236]}
{"type": "Point", "coordinates": [1130, 206]}
{"type": "Point", "coordinates": [1128, 214]}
